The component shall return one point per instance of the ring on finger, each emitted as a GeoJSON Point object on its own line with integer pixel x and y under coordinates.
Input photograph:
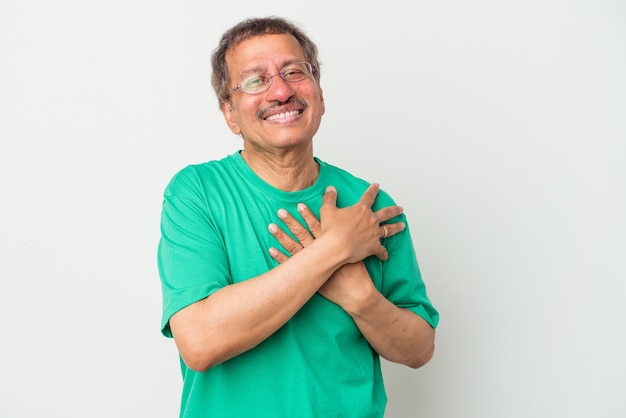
{"type": "Point", "coordinates": [384, 229]}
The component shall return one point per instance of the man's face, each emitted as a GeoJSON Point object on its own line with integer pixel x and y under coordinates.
{"type": "Point", "coordinates": [284, 116]}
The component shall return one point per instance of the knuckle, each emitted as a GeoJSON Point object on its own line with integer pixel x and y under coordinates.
{"type": "Point", "coordinates": [290, 248]}
{"type": "Point", "coordinates": [301, 235]}
{"type": "Point", "coordinates": [288, 220]}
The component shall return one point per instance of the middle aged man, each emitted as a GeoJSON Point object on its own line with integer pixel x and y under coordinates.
{"type": "Point", "coordinates": [290, 321]}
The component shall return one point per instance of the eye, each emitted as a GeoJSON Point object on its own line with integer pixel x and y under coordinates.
{"type": "Point", "coordinates": [254, 83]}
{"type": "Point", "coordinates": [293, 73]}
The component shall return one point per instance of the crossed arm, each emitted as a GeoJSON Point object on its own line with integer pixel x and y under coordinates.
{"type": "Point", "coordinates": [237, 317]}
{"type": "Point", "coordinates": [397, 334]}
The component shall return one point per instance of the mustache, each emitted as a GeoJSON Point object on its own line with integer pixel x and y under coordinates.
{"type": "Point", "coordinates": [261, 113]}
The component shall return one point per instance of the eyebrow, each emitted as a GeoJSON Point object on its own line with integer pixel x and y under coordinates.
{"type": "Point", "coordinates": [261, 69]}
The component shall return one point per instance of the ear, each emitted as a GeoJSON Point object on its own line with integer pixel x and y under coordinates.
{"type": "Point", "coordinates": [322, 101]}
{"type": "Point", "coordinates": [228, 112]}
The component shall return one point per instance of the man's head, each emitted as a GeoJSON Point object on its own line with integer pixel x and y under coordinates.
{"type": "Point", "coordinates": [250, 28]}
{"type": "Point", "coordinates": [266, 74]}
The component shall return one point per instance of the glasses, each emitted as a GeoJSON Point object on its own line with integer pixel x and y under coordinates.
{"type": "Point", "coordinates": [258, 83]}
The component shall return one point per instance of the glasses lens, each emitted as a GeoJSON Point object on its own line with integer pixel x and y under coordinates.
{"type": "Point", "coordinates": [291, 73]}
{"type": "Point", "coordinates": [255, 84]}
{"type": "Point", "coordinates": [296, 72]}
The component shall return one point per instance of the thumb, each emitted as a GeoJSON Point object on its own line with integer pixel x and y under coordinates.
{"type": "Point", "coordinates": [330, 197]}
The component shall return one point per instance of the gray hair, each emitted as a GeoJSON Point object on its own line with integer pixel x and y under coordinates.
{"type": "Point", "coordinates": [220, 78]}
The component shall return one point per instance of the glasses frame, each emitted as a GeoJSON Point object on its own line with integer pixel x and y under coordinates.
{"type": "Point", "coordinates": [270, 78]}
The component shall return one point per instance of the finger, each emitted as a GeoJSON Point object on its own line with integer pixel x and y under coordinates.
{"type": "Point", "coordinates": [369, 196]}
{"type": "Point", "coordinates": [303, 236]}
{"type": "Point", "coordinates": [277, 255]}
{"type": "Point", "coordinates": [329, 200]}
{"type": "Point", "coordinates": [311, 221]}
{"type": "Point", "coordinates": [284, 239]}
{"type": "Point", "coordinates": [389, 212]}
{"type": "Point", "coordinates": [389, 230]}
{"type": "Point", "coordinates": [382, 253]}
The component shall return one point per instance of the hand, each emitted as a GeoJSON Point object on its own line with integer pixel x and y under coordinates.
{"type": "Point", "coordinates": [351, 280]}
{"type": "Point", "coordinates": [305, 237]}
{"type": "Point", "coordinates": [356, 230]}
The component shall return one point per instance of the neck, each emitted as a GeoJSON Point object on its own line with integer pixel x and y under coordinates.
{"type": "Point", "coordinates": [287, 171]}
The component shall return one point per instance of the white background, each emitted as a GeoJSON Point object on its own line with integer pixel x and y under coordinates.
{"type": "Point", "coordinates": [498, 125]}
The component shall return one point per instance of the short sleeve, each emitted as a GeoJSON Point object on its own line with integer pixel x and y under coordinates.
{"type": "Point", "coordinates": [191, 257]}
{"type": "Point", "coordinates": [402, 279]}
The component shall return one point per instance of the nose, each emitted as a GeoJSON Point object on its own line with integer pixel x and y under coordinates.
{"type": "Point", "coordinates": [279, 90]}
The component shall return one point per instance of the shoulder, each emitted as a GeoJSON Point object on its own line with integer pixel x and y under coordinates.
{"type": "Point", "coordinates": [196, 177]}
{"type": "Point", "coordinates": [348, 183]}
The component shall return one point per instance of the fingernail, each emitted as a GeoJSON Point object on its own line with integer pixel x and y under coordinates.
{"type": "Point", "coordinates": [273, 251]}
{"type": "Point", "coordinates": [272, 228]}
{"type": "Point", "coordinates": [282, 213]}
{"type": "Point", "coordinates": [402, 226]}
{"type": "Point", "coordinates": [301, 207]}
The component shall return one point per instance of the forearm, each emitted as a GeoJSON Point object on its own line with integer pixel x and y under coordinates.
{"type": "Point", "coordinates": [238, 317]}
{"type": "Point", "coordinates": [397, 334]}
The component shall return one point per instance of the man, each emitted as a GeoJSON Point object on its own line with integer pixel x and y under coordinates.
{"type": "Point", "coordinates": [284, 321]}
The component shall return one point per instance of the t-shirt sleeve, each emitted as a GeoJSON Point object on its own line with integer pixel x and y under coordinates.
{"type": "Point", "coordinates": [402, 280]}
{"type": "Point", "coordinates": [191, 257]}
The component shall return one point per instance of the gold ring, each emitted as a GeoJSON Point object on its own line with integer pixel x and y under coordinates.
{"type": "Point", "coordinates": [384, 229]}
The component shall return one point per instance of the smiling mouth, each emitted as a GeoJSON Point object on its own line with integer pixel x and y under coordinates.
{"type": "Point", "coordinates": [290, 108]}
{"type": "Point", "coordinates": [284, 115]}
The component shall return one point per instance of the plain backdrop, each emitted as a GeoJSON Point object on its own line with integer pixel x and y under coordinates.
{"type": "Point", "coordinates": [498, 125]}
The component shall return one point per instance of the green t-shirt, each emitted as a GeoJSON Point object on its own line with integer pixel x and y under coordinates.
{"type": "Point", "coordinates": [214, 233]}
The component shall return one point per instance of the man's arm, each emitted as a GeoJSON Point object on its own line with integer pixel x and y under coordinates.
{"type": "Point", "coordinates": [238, 317]}
{"type": "Point", "coordinates": [397, 334]}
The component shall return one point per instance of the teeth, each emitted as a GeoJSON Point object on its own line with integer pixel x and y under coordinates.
{"type": "Point", "coordinates": [282, 115]}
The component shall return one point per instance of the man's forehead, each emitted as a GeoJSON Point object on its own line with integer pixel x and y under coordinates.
{"type": "Point", "coordinates": [256, 50]}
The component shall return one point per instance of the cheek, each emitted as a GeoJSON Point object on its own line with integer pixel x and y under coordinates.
{"type": "Point", "coordinates": [321, 101]}
{"type": "Point", "coordinates": [321, 107]}
{"type": "Point", "coordinates": [246, 110]}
